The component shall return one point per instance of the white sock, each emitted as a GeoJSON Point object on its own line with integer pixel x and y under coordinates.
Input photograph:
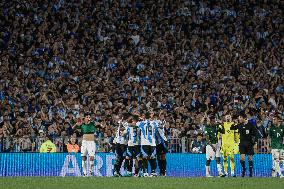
{"type": "Point", "coordinates": [207, 170]}
{"type": "Point", "coordinates": [91, 166]}
{"type": "Point", "coordinates": [219, 168]}
{"type": "Point", "coordinates": [84, 165]}
{"type": "Point", "coordinates": [277, 167]}
{"type": "Point", "coordinates": [232, 172]}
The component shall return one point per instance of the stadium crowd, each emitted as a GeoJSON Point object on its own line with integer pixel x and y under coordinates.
{"type": "Point", "coordinates": [61, 58]}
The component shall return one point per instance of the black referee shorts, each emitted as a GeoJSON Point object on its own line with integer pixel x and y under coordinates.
{"type": "Point", "coordinates": [246, 148]}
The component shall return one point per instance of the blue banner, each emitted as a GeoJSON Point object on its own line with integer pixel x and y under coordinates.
{"type": "Point", "coordinates": [63, 164]}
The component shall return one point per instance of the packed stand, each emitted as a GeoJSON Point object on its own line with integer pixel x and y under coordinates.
{"type": "Point", "coordinates": [62, 58]}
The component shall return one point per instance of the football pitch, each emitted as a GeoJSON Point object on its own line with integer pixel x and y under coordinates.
{"type": "Point", "coordinates": [138, 183]}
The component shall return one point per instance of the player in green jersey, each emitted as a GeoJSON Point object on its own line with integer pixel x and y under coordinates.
{"type": "Point", "coordinates": [276, 134]}
{"type": "Point", "coordinates": [88, 128]}
{"type": "Point", "coordinates": [212, 129]}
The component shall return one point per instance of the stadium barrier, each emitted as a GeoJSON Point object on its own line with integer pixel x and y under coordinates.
{"type": "Point", "coordinates": [176, 145]}
{"type": "Point", "coordinates": [64, 164]}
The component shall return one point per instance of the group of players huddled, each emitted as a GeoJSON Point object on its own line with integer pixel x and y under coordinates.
{"type": "Point", "coordinates": [142, 138]}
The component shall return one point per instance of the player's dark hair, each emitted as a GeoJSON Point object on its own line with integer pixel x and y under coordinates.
{"type": "Point", "coordinates": [135, 117]}
{"type": "Point", "coordinates": [243, 115]}
{"type": "Point", "coordinates": [125, 115]}
{"type": "Point", "coordinates": [87, 114]}
{"type": "Point", "coordinates": [147, 115]}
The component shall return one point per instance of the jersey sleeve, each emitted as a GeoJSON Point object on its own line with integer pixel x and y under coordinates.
{"type": "Point", "coordinates": [234, 127]}
{"type": "Point", "coordinates": [220, 129]}
{"type": "Point", "coordinates": [205, 130]}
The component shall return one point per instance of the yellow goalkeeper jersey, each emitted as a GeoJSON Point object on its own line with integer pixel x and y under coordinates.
{"type": "Point", "coordinates": [228, 138]}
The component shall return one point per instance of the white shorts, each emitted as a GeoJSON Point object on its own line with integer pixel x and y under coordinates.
{"type": "Point", "coordinates": [277, 153]}
{"type": "Point", "coordinates": [210, 154]}
{"type": "Point", "coordinates": [88, 147]}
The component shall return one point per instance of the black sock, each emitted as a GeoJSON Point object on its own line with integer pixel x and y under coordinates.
{"type": "Point", "coordinates": [243, 165]}
{"type": "Point", "coordinates": [126, 164]}
{"type": "Point", "coordinates": [116, 165]}
{"type": "Point", "coordinates": [153, 165]}
{"type": "Point", "coordinates": [140, 165]}
{"type": "Point", "coordinates": [160, 165]}
{"type": "Point", "coordinates": [136, 164]}
{"type": "Point", "coordinates": [120, 164]}
{"type": "Point", "coordinates": [164, 163]}
{"type": "Point", "coordinates": [250, 167]}
{"type": "Point", "coordinates": [164, 166]}
{"type": "Point", "coordinates": [130, 165]}
{"type": "Point", "coordinates": [145, 165]}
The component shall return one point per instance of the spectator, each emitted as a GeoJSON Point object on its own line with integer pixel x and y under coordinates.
{"type": "Point", "coordinates": [198, 145]}
{"type": "Point", "coordinates": [72, 146]}
{"type": "Point", "coordinates": [48, 146]}
{"type": "Point", "coordinates": [183, 57]}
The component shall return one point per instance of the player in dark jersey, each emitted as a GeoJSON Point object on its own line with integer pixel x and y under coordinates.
{"type": "Point", "coordinates": [247, 142]}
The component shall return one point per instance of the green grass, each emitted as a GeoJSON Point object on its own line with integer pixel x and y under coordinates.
{"type": "Point", "coordinates": [138, 183]}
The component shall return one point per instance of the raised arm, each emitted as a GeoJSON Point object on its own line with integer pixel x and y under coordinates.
{"type": "Point", "coordinates": [78, 123]}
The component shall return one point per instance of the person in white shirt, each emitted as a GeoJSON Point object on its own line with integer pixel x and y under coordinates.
{"type": "Point", "coordinates": [148, 144]}
{"type": "Point", "coordinates": [133, 152]}
{"type": "Point", "coordinates": [120, 144]}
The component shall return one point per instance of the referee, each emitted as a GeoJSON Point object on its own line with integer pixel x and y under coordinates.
{"type": "Point", "coordinates": [248, 140]}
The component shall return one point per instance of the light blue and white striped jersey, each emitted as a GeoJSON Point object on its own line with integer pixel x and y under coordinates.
{"type": "Point", "coordinates": [120, 137]}
{"type": "Point", "coordinates": [160, 131]}
{"type": "Point", "coordinates": [132, 134]}
{"type": "Point", "coordinates": [148, 130]}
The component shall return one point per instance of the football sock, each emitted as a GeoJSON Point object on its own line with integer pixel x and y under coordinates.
{"type": "Point", "coordinates": [117, 165]}
{"type": "Point", "coordinates": [136, 163]}
{"type": "Point", "coordinates": [160, 164]}
{"type": "Point", "coordinates": [277, 167]}
{"type": "Point", "coordinates": [226, 166]}
{"type": "Point", "coordinates": [126, 164]}
{"type": "Point", "coordinates": [130, 165]}
{"type": "Point", "coordinates": [145, 165]}
{"type": "Point", "coordinates": [207, 170]}
{"type": "Point", "coordinates": [250, 167]}
{"type": "Point", "coordinates": [219, 167]}
{"type": "Point", "coordinates": [153, 165]}
{"type": "Point", "coordinates": [243, 165]}
{"type": "Point", "coordinates": [140, 165]}
{"type": "Point", "coordinates": [84, 165]}
{"type": "Point", "coordinates": [120, 164]}
{"type": "Point", "coordinates": [232, 165]}
{"type": "Point", "coordinates": [91, 166]}
{"type": "Point", "coordinates": [164, 166]}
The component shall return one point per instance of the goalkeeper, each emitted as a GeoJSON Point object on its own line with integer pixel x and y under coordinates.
{"type": "Point", "coordinates": [228, 143]}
